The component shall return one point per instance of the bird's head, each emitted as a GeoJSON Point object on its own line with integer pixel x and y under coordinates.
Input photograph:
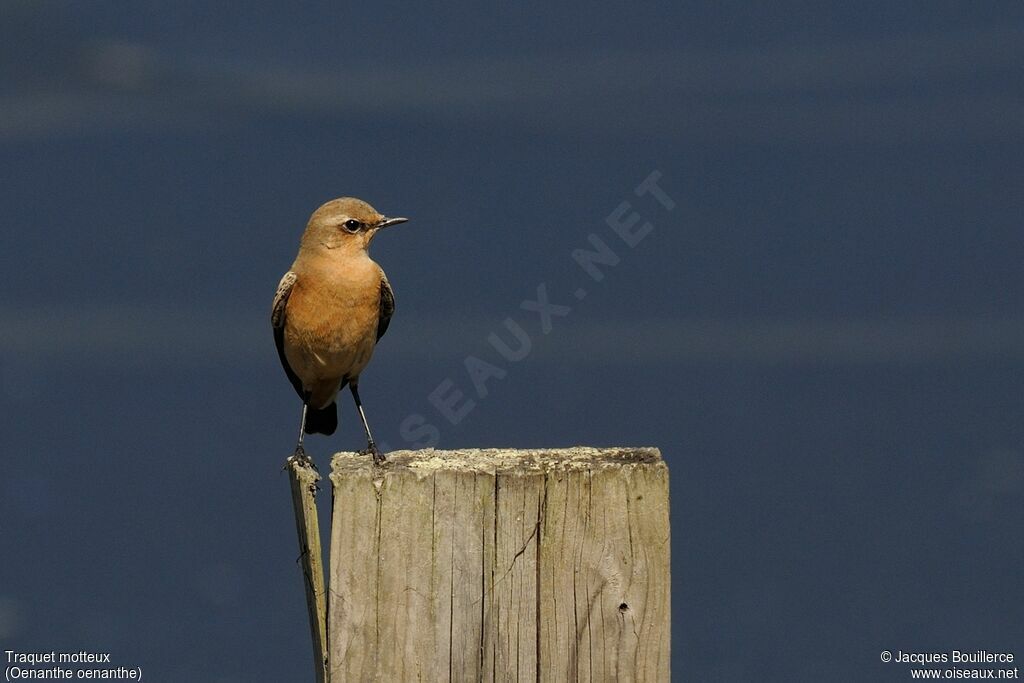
{"type": "Point", "coordinates": [346, 224]}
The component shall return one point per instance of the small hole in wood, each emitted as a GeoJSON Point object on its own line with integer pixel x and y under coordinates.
{"type": "Point", "coordinates": [623, 607]}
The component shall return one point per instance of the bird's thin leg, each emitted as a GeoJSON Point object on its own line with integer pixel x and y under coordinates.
{"type": "Point", "coordinates": [371, 447]}
{"type": "Point", "coordinates": [299, 450]}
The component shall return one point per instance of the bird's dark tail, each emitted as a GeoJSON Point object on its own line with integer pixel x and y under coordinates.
{"type": "Point", "coordinates": [322, 421]}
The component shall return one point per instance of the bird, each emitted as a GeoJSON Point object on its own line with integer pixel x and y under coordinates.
{"type": "Point", "coordinates": [330, 309]}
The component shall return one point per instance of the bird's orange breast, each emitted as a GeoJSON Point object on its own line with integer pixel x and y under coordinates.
{"type": "Point", "coordinates": [331, 323]}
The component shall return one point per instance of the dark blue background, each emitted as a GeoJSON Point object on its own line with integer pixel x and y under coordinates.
{"type": "Point", "coordinates": [825, 336]}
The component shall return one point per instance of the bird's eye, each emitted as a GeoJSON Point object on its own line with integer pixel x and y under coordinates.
{"type": "Point", "coordinates": [352, 225]}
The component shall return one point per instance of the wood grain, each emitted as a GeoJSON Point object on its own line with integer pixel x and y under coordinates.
{"type": "Point", "coordinates": [500, 565]}
{"type": "Point", "coordinates": [303, 478]}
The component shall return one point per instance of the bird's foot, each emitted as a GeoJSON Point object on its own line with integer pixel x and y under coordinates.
{"type": "Point", "coordinates": [371, 449]}
{"type": "Point", "coordinates": [299, 458]}
{"type": "Point", "coordinates": [301, 454]}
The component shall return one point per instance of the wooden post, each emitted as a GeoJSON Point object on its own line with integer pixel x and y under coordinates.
{"type": "Point", "coordinates": [303, 478]}
{"type": "Point", "coordinates": [500, 565]}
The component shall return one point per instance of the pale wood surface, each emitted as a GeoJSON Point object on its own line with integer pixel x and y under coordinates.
{"type": "Point", "coordinates": [303, 478]}
{"type": "Point", "coordinates": [500, 565]}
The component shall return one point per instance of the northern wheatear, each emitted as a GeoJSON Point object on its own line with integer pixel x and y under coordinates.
{"type": "Point", "coordinates": [330, 310]}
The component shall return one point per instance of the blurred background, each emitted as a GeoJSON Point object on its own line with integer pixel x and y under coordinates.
{"type": "Point", "coordinates": [825, 335]}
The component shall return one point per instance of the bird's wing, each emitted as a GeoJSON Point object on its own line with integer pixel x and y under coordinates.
{"type": "Point", "coordinates": [277, 318]}
{"type": "Point", "coordinates": [387, 306]}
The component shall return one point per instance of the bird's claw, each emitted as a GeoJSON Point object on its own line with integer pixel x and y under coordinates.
{"type": "Point", "coordinates": [371, 449]}
{"type": "Point", "coordinates": [301, 454]}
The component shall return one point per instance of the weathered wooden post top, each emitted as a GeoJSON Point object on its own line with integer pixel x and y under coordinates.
{"type": "Point", "coordinates": [499, 565]}
{"type": "Point", "coordinates": [490, 565]}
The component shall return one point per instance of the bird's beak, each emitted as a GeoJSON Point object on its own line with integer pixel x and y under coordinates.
{"type": "Point", "coordinates": [388, 222]}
